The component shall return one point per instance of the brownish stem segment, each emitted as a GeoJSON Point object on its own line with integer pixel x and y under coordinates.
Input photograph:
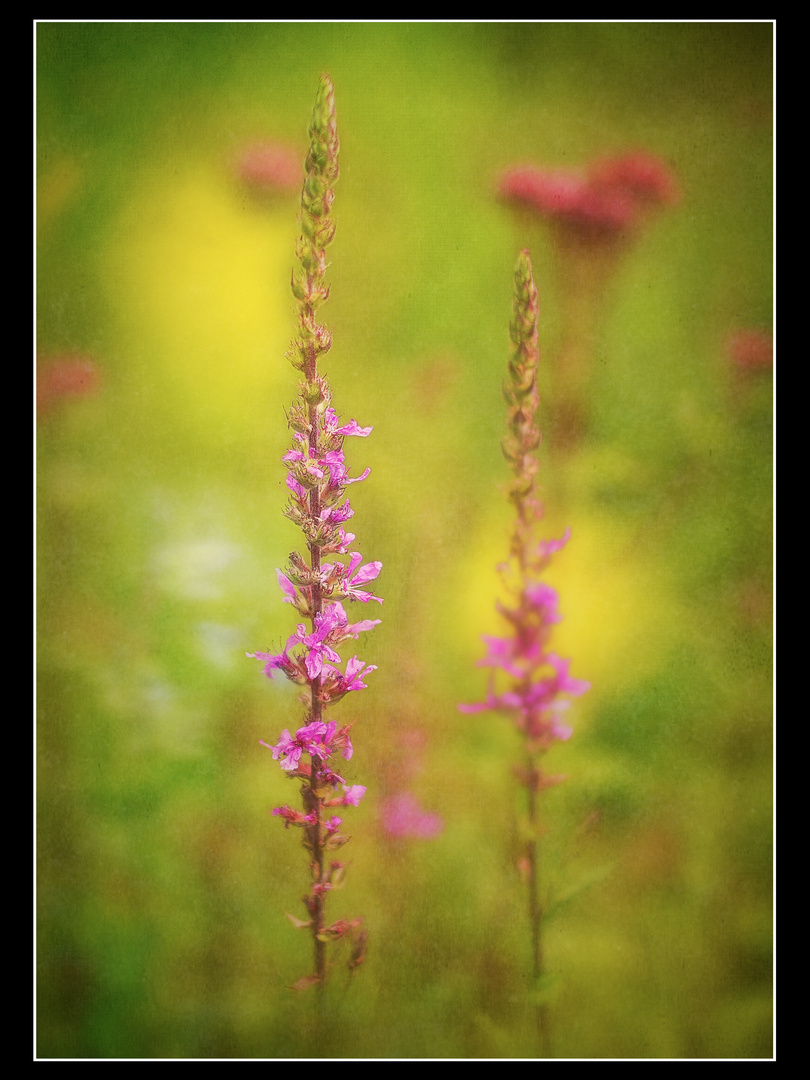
{"type": "Point", "coordinates": [532, 854]}
{"type": "Point", "coordinates": [312, 798]}
{"type": "Point", "coordinates": [312, 803]}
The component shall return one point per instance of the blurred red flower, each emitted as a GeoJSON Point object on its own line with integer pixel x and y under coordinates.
{"type": "Point", "coordinates": [62, 377]}
{"type": "Point", "coordinates": [270, 166]}
{"type": "Point", "coordinates": [641, 175]}
{"type": "Point", "coordinates": [611, 195]}
{"type": "Point", "coordinates": [751, 350]}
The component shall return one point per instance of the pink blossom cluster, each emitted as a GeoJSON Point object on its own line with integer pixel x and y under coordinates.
{"type": "Point", "coordinates": [539, 680]}
{"type": "Point", "coordinates": [332, 627]}
{"type": "Point", "coordinates": [316, 467]}
{"type": "Point", "coordinates": [607, 198]}
{"type": "Point", "coordinates": [317, 479]}
{"type": "Point", "coordinates": [353, 794]}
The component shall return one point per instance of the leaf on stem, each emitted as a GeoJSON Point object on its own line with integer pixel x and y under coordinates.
{"type": "Point", "coordinates": [299, 924]}
{"type": "Point", "coordinates": [335, 841]}
{"type": "Point", "coordinates": [305, 982]}
{"type": "Point", "coordinates": [545, 989]}
{"type": "Point", "coordinates": [588, 879]}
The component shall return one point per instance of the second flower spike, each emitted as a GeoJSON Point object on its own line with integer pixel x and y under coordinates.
{"type": "Point", "coordinates": [528, 681]}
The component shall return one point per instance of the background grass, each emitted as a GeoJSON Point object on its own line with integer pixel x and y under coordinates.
{"type": "Point", "coordinates": [162, 879]}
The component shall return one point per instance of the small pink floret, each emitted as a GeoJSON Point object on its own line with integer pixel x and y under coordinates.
{"type": "Point", "coordinates": [287, 587]}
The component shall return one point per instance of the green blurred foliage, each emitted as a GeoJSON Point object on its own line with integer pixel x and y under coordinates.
{"type": "Point", "coordinates": [162, 879]}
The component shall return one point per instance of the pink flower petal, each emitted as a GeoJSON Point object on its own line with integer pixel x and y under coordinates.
{"type": "Point", "coordinates": [367, 573]}
{"type": "Point", "coordinates": [353, 794]}
{"type": "Point", "coordinates": [287, 588]}
{"type": "Point", "coordinates": [353, 428]}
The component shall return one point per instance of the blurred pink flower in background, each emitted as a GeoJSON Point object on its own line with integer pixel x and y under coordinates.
{"type": "Point", "coordinates": [607, 197]}
{"type": "Point", "coordinates": [402, 816]}
{"type": "Point", "coordinates": [750, 350]}
{"type": "Point", "coordinates": [646, 178]}
{"type": "Point", "coordinates": [269, 166]}
{"type": "Point", "coordinates": [63, 377]}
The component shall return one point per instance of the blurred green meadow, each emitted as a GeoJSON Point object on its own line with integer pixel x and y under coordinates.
{"type": "Point", "coordinates": [163, 279]}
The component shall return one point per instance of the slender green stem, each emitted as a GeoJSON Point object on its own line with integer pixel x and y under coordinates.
{"type": "Point", "coordinates": [535, 906]}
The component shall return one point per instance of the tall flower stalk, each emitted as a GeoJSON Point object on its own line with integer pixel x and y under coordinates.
{"type": "Point", "coordinates": [313, 583]}
{"type": "Point", "coordinates": [534, 684]}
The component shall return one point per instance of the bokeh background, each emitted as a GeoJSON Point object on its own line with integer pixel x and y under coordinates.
{"type": "Point", "coordinates": [163, 316]}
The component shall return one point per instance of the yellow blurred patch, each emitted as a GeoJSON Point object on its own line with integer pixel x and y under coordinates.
{"type": "Point", "coordinates": [619, 616]}
{"type": "Point", "coordinates": [200, 282]}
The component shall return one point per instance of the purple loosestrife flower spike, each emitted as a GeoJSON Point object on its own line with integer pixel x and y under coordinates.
{"type": "Point", "coordinates": [317, 477]}
{"type": "Point", "coordinates": [535, 680]}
